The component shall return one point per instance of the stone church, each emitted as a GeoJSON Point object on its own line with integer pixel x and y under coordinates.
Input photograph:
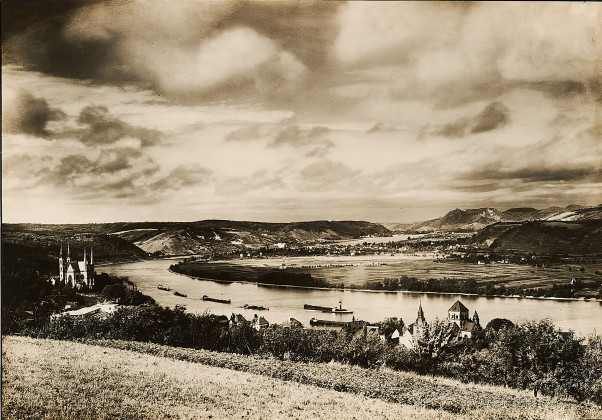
{"type": "Point", "coordinates": [78, 274]}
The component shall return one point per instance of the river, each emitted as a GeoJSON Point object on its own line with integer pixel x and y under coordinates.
{"type": "Point", "coordinates": [581, 316]}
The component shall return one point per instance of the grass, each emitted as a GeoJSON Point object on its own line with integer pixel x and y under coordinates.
{"type": "Point", "coordinates": [118, 379]}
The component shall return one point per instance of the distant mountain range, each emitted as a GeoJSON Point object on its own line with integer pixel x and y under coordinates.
{"type": "Point", "coordinates": [572, 229]}
{"type": "Point", "coordinates": [473, 220]}
{"type": "Point", "coordinates": [133, 240]}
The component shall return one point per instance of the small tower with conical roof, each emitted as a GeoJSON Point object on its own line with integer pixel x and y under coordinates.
{"type": "Point", "coordinates": [475, 319]}
{"type": "Point", "coordinates": [420, 320]}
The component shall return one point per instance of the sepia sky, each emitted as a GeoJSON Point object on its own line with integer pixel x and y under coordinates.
{"type": "Point", "coordinates": [287, 111]}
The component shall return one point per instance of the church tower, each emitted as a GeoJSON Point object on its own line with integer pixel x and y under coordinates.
{"type": "Point", "coordinates": [475, 319]}
{"type": "Point", "coordinates": [61, 265]}
{"type": "Point", "coordinates": [421, 320]}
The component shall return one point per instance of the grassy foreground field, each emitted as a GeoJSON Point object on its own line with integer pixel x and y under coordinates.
{"type": "Point", "coordinates": [60, 379]}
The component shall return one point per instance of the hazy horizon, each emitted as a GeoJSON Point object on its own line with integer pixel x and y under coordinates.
{"type": "Point", "coordinates": [388, 112]}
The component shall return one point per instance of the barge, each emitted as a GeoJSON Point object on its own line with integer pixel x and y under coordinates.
{"type": "Point", "coordinates": [210, 299]}
{"type": "Point", "coordinates": [256, 308]}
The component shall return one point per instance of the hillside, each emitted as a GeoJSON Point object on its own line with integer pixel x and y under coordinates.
{"type": "Point", "coordinates": [59, 379]}
{"type": "Point", "coordinates": [135, 240]}
{"type": "Point", "coordinates": [550, 237]}
{"type": "Point", "coordinates": [476, 219]}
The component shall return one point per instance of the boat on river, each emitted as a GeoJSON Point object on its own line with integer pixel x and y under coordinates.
{"type": "Point", "coordinates": [161, 287]}
{"type": "Point", "coordinates": [256, 308]}
{"type": "Point", "coordinates": [328, 309]}
{"type": "Point", "coordinates": [210, 299]}
{"type": "Point", "coordinates": [315, 322]}
{"type": "Point", "coordinates": [180, 294]}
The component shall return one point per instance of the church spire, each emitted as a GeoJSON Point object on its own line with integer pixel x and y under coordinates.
{"type": "Point", "coordinates": [85, 256]}
{"type": "Point", "coordinates": [68, 253]}
{"type": "Point", "coordinates": [420, 320]}
{"type": "Point", "coordinates": [61, 251]}
{"type": "Point", "coordinates": [91, 256]}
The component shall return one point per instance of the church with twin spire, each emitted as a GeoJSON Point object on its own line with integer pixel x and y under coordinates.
{"type": "Point", "coordinates": [77, 274]}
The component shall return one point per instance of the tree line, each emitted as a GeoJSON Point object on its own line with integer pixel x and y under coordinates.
{"type": "Point", "coordinates": [533, 354]}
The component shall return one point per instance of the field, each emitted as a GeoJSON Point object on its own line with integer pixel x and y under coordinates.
{"type": "Point", "coordinates": [58, 379]}
{"type": "Point", "coordinates": [355, 271]}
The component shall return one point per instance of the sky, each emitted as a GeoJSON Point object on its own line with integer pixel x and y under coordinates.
{"type": "Point", "coordinates": [289, 111]}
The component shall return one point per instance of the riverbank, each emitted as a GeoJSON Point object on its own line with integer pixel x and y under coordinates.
{"type": "Point", "coordinates": [388, 291]}
{"type": "Point", "coordinates": [47, 378]}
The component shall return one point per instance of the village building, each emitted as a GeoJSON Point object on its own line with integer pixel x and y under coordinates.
{"type": "Point", "coordinates": [237, 319]}
{"type": "Point", "coordinates": [260, 322]}
{"type": "Point", "coordinates": [77, 274]}
{"type": "Point", "coordinates": [407, 337]}
{"type": "Point", "coordinates": [459, 315]}
{"type": "Point", "coordinates": [102, 309]}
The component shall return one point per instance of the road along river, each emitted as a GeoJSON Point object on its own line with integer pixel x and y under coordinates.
{"type": "Point", "coordinates": [584, 317]}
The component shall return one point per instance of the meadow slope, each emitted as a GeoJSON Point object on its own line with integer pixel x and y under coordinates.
{"type": "Point", "coordinates": [61, 379]}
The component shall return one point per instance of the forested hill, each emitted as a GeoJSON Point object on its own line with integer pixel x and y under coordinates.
{"type": "Point", "coordinates": [113, 241]}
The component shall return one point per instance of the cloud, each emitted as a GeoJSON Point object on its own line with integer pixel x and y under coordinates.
{"type": "Point", "coordinates": [283, 134]}
{"type": "Point", "coordinates": [187, 50]}
{"type": "Point", "coordinates": [24, 113]}
{"type": "Point", "coordinates": [103, 128]}
{"type": "Point", "coordinates": [493, 116]}
{"type": "Point", "coordinates": [455, 129]}
{"type": "Point", "coordinates": [297, 137]}
{"type": "Point", "coordinates": [450, 51]}
{"type": "Point", "coordinates": [325, 175]}
{"type": "Point", "coordinates": [569, 173]}
{"type": "Point", "coordinates": [182, 176]}
{"type": "Point", "coordinates": [117, 173]}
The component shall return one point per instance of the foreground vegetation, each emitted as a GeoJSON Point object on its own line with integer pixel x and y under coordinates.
{"type": "Point", "coordinates": [534, 354]}
{"type": "Point", "coordinates": [66, 380]}
{"type": "Point", "coordinates": [58, 379]}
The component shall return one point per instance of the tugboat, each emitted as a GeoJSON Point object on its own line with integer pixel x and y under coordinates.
{"type": "Point", "coordinates": [161, 287]}
{"type": "Point", "coordinates": [256, 308]}
{"type": "Point", "coordinates": [327, 309]}
{"type": "Point", "coordinates": [210, 299]}
{"type": "Point", "coordinates": [341, 310]}
{"type": "Point", "coordinates": [180, 294]}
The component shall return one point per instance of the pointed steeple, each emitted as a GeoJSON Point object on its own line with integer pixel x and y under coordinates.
{"type": "Point", "coordinates": [91, 256]}
{"type": "Point", "coordinates": [68, 253]}
{"type": "Point", "coordinates": [85, 256]}
{"type": "Point", "coordinates": [61, 251]}
{"type": "Point", "coordinates": [420, 320]}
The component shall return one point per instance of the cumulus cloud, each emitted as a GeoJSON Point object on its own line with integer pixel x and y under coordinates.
{"type": "Point", "coordinates": [24, 113]}
{"type": "Point", "coordinates": [190, 50]}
